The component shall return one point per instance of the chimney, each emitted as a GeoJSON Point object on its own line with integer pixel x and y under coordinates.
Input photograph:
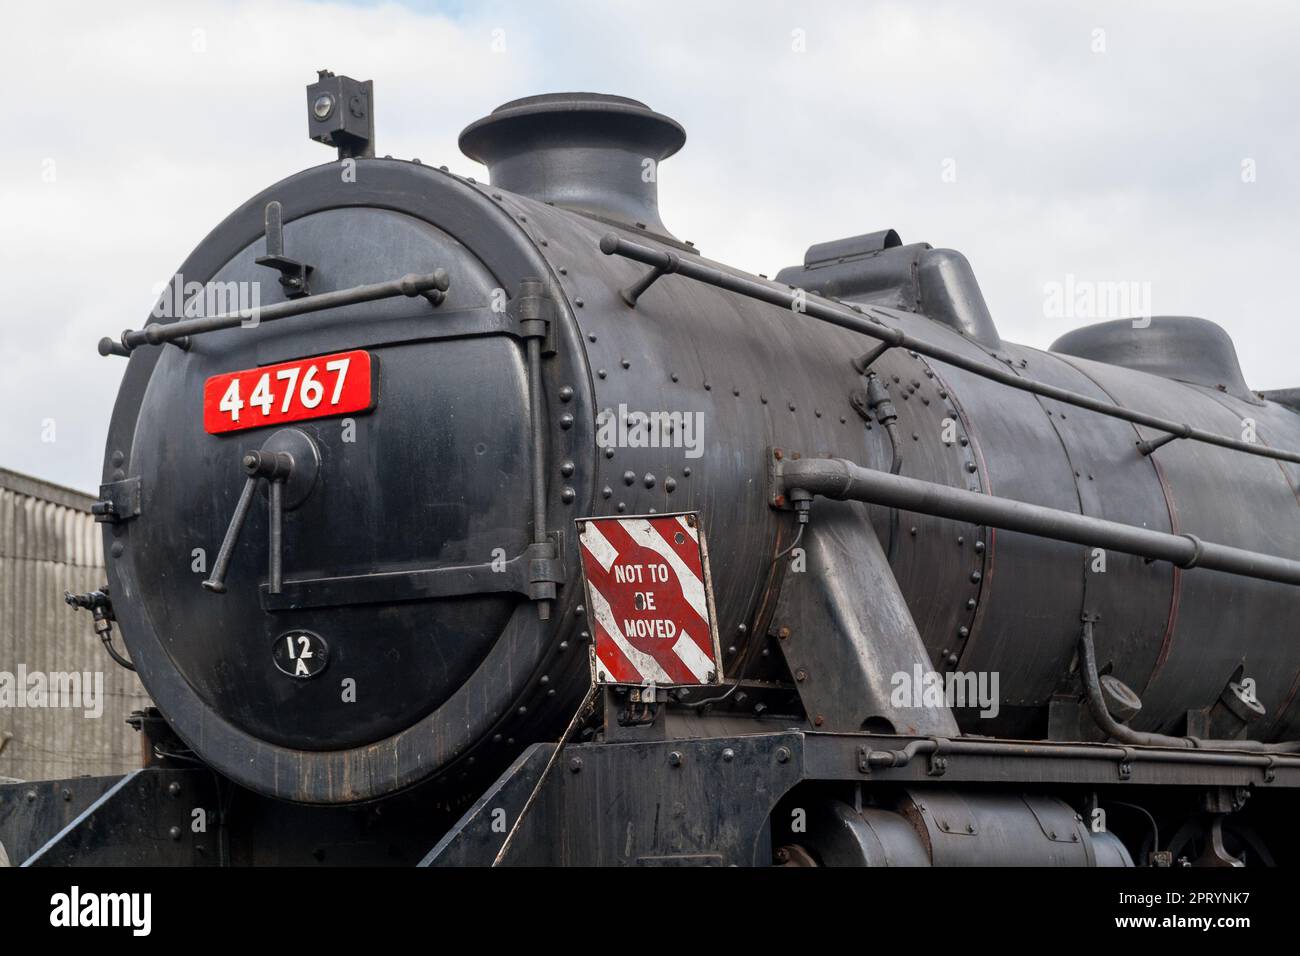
{"type": "Point", "coordinates": [590, 152]}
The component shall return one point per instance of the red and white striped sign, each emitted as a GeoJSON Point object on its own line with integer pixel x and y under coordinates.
{"type": "Point", "coordinates": [648, 599]}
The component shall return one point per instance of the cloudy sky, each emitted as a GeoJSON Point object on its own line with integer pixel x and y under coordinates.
{"type": "Point", "coordinates": [1154, 143]}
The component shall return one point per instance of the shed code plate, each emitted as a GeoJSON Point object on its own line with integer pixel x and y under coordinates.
{"type": "Point", "coordinates": [648, 594]}
{"type": "Point", "coordinates": [289, 392]}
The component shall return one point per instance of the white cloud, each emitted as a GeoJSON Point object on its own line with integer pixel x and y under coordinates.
{"type": "Point", "coordinates": [1123, 165]}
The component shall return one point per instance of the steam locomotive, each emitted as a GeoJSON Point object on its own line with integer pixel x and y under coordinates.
{"type": "Point", "coordinates": [967, 602]}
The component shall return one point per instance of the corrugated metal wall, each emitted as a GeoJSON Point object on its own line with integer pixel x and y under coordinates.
{"type": "Point", "coordinates": [49, 543]}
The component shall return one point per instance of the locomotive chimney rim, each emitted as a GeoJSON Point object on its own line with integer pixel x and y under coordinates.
{"type": "Point", "coordinates": [590, 152]}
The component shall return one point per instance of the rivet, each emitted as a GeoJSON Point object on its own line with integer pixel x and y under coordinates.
{"type": "Point", "coordinates": [972, 467]}
{"type": "Point", "coordinates": [675, 758]}
{"type": "Point", "coordinates": [609, 452]}
{"type": "Point", "coordinates": [578, 302]}
{"type": "Point", "coordinates": [575, 764]}
{"type": "Point", "coordinates": [649, 480]}
{"type": "Point", "coordinates": [621, 507]}
{"type": "Point", "coordinates": [566, 421]}
{"type": "Point", "coordinates": [625, 363]}
{"type": "Point", "coordinates": [601, 373]}
{"type": "Point", "coordinates": [174, 832]}
{"type": "Point", "coordinates": [782, 755]}
{"type": "Point", "coordinates": [629, 477]}
{"type": "Point", "coordinates": [567, 495]}
{"type": "Point", "coordinates": [607, 492]}
{"type": "Point", "coordinates": [728, 755]}
{"type": "Point", "coordinates": [686, 471]}
{"type": "Point", "coordinates": [801, 675]}
{"type": "Point", "coordinates": [976, 576]}
{"type": "Point", "coordinates": [670, 484]}
{"type": "Point", "coordinates": [566, 393]}
{"type": "Point", "coordinates": [117, 549]}
{"type": "Point", "coordinates": [566, 469]}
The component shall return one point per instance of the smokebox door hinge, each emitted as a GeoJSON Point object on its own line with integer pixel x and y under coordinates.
{"type": "Point", "coordinates": [118, 501]}
{"type": "Point", "coordinates": [545, 567]}
{"type": "Point", "coordinates": [534, 310]}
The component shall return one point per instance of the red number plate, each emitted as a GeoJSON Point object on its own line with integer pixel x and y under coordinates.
{"type": "Point", "coordinates": [288, 392]}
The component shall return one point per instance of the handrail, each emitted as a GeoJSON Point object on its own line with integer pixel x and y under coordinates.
{"type": "Point", "coordinates": [845, 317]}
{"type": "Point", "coordinates": [432, 286]}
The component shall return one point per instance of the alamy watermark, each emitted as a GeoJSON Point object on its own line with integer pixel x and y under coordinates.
{"type": "Point", "coordinates": [662, 429]}
{"type": "Point", "coordinates": [69, 690]}
{"type": "Point", "coordinates": [178, 299]}
{"type": "Point", "coordinates": [1090, 299]}
{"type": "Point", "coordinates": [923, 688]}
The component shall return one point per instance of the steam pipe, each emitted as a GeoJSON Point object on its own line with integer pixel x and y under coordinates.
{"type": "Point", "coordinates": [1114, 729]}
{"type": "Point", "coordinates": [844, 480]}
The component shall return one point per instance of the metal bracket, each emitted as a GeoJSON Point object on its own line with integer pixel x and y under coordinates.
{"type": "Point", "coordinates": [1125, 767]}
{"type": "Point", "coordinates": [293, 274]}
{"type": "Point", "coordinates": [1149, 445]}
{"type": "Point", "coordinates": [864, 361]}
{"type": "Point", "coordinates": [118, 501]}
{"type": "Point", "coordinates": [638, 288]}
{"type": "Point", "coordinates": [776, 497]}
